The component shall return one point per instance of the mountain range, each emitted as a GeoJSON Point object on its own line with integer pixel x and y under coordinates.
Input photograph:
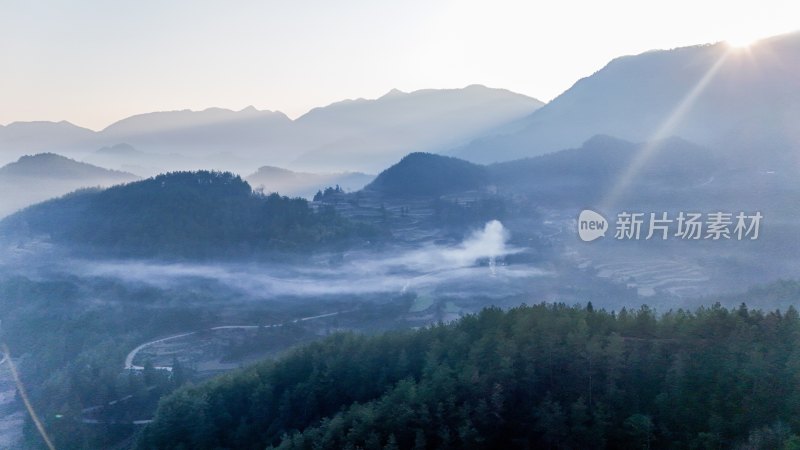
{"type": "Point", "coordinates": [712, 113]}
{"type": "Point", "coordinates": [369, 135]}
{"type": "Point", "coordinates": [190, 200]}
{"type": "Point", "coordinates": [580, 176]}
{"type": "Point", "coordinates": [743, 103]}
{"type": "Point", "coordinates": [362, 135]}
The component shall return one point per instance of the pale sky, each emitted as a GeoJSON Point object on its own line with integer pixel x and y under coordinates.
{"type": "Point", "coordinates": [95, 62]}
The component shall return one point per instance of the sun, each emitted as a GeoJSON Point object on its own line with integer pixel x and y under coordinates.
{"type": "Point", "coordinates": [742, 41]}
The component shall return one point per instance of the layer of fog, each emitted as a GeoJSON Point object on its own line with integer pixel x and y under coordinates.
{"type": "Point", "coordinates": [475, 266]}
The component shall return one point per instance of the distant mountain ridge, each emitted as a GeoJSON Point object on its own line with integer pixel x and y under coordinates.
{"type": "Point", "coordinates": [57, 166]}
{"type": "Point", "coordinates": [587, 174]}
{"type": "Point", "coordinates": [34, 137]}
{"type": "Point", "coordinates": [370, 135]}
{"type": "Point", "coordinates": [127, 158]}
{"type": "Point", "coordinates": [578, 176]}
{"type": "Point", "coordinates": [302, 184]}
{"type": "Point", "coordinates": [362, 135]}
{"type": "Point", "coordinates": [36, 178]}
{"type": "Point", "coordinates": [743, 103]}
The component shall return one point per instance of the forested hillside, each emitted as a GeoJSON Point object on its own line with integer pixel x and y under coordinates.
{"type": "Point", "coordinates": [544, 376]}
{"type": "Point", "coordinates": [183, 215]}
{"type": "Point", "coordinates": [426, 174]}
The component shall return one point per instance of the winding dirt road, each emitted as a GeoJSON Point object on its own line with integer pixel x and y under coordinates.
{"type": "Point", "coordinates": [129, 365]}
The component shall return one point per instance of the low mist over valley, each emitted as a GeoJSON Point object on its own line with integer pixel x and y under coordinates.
{"type": "Point", "coordinates": [415, 270]}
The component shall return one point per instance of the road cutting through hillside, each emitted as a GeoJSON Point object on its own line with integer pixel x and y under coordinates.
{"type": "Point", "coordinates": [129, 365]}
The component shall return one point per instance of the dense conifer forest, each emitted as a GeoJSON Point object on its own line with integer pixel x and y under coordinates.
{"type": "Point", "coordinates": [542, 376]}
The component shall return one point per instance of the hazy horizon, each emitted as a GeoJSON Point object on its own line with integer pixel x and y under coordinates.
{"type": "Point", "coordinates": [96, 63]}
{"type": "Point", "coordinates": [264, 109]}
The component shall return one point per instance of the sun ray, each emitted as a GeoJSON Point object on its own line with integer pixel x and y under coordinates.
{"type": "Point", "coordinates": [665, 130]}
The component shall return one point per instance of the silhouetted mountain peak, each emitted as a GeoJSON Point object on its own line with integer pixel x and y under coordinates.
{"type": "Point", "coordinates": [429, 174]}
{"type": "Point", "coordinates": [272, 170]}
{"type": "Point", "coordinates": [394, 93]}
{"type": "Point", "coordinates": [51, 165]}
